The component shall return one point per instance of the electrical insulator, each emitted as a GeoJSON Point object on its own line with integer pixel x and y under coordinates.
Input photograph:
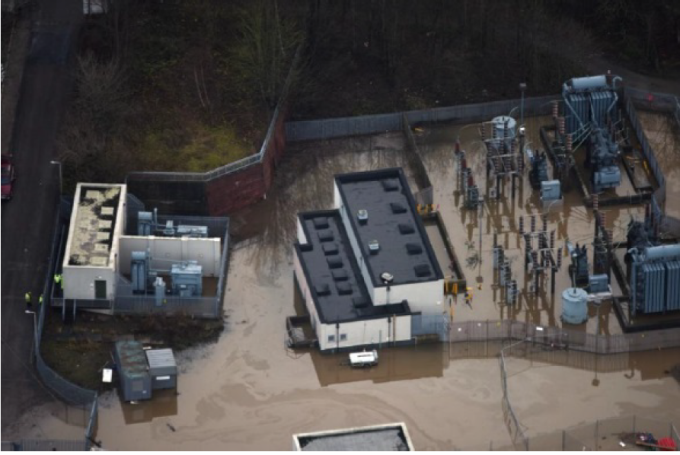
{"type": "Point", "coordinates": [533, 223]}
{"type": "Point", "coordinates": [555, 109]}
{"type": "Point", "coordinates": [596, 202]}
{"type": "Point", "coordinates": [561, 124]}
{"type": "Point", "coordinates": [545, 222]}
{"type": "Point", "coordinates": [552, 239]}
{"type": "Point", "coordinates": [559, 257]}
{"type": "Point", "coordinates": [570, 144]}
{"type": "Point", "coordinates": [521, 225]}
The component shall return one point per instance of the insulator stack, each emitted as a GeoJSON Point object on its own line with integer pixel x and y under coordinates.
{"type": "Point", "coordinates": [552, 239]}
{"type": "Point", "coordinates": [483, 132]}
{"type": "Point", "coordinates": [596, 202]}
{"type": "Point", "coordinates": [520, 164]}
{"type": "Point", "coordinates": [559, 257]}
{"type": "Point", "coordinates": [533, 223]}
{"type": "Point", "coordinates": [570, 142]}
{"type": "Point", "coordinates": [555, 109]}
{"type": "Point", "coordinates": [456, 146]}
{"type": "Point", "coordinates": [521, 225]}
{"type": "Point", "coordinates": [561, 125]}
{"type": "Point", "coordinates": [610, 237]}
{"type": "Point", "coordinates": [534, 257]}
{"type": "Point", "coordinates": [544, 218]}
{"type": "Point", "coordinates": [603, 219]}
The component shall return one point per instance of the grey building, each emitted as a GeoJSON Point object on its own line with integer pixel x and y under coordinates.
{"type": "Point", "coordinates": [141, 371]}
{"type": "Point", "coordinates": [391, 437]}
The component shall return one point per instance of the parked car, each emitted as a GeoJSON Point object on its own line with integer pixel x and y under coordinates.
{"type": "Point", "coordinates": [7, 176]}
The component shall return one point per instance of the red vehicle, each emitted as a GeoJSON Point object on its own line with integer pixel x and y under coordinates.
{"type": "Point", "coordinates": [7, 177]}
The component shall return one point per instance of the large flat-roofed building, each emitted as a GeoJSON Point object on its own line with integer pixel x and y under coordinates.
{"type": "Point", "coordinates": [388, 236]}
{"type": "Point", "coordinates": [391, 437]}
{"type": "Point", "coordinates": [366, 270]}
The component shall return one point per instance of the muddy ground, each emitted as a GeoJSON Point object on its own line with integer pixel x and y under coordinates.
{"type": "Point", "coordinates": [248, 392]}
{"type": "Point", "coordinates": [79, 351]}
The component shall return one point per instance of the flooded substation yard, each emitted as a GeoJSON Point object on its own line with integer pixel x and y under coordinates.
{"type": "Point", "coordinates": [249, 392]}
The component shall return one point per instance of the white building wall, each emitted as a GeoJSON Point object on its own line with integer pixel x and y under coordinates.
{"type": "Point", "coordinates": [427, 297]}
{"type": "Point", "coordinates": [302, 238]}
{"type": "Point", "coordinates": [305, 291]}
{"type": "Point", "coordinates": [166, 250]}
{"type": "Point", "coordinates": [78, 281]}
{"type": "Point", "coordinates": [359, 333]}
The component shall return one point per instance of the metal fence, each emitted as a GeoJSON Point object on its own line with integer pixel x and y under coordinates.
{"type": "Point", "coordinates": [604, 434]}
{"type": "Point", "coordinates": [380, 123]}
{"type": "Point", "coordinates": [68, 391]}
{"type": "Point", "coordinates": [646, 148]}
{"type": "Point", "coordinates": [560, 338]}
{"type": "Point", "coordinates": [517, 435]}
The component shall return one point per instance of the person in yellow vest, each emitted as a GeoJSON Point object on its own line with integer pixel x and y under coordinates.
{"type": "Point", "coordinates": [28, 299]}
{"type": "Point", "coordinates": [58, 280]}
{"type": "Point", "coordinates": [40, 300]}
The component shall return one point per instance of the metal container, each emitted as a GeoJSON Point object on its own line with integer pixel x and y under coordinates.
{"type": "Point", "coordinates": [589, 83]}
{"type": "Point", "coordinates": [574, 306]}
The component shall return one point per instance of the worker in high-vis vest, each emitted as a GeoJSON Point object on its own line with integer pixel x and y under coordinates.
{"type": "Point", "coordinates": [28, 299]}
{"type": "Point", "coordinates": [58, 280]}
{"type": "Point", "coordinates": [40, 300]}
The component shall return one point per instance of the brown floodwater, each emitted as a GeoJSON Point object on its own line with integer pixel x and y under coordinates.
{"type": "Point", "coordinates": [570, 219]}
{"type": "Point", "coordinates": [248, 392]}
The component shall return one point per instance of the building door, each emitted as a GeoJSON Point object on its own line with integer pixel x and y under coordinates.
{"type": "Point", "coordinates": [100, 289]}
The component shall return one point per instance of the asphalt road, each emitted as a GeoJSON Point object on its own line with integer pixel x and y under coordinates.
{"type": "Point", "coordinates": [28, 219]}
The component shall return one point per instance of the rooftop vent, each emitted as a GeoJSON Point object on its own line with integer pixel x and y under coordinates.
{"type": "Point", "coordinates": [359, 302]}
{"type": "Point", "coordinates": [362, 216]}
{"type": "Point", "coordinates": [397, 207]}
{"type": "Point", "coordinates": [334, 262]}
{"type": "Point", "coordinates": [344, 288]}
{"type": "Point", "coordinates": [422, 270]}
{"type": "Point", "coordinates": [325, 235]}
{"type": "Point", "coordinates": [322, 289]}
{"type": "Point", "coordinates": [340, 275]}
{"type": "Point", "coordinates": [390, 185]}
{"type": "Point", "coordinates": [406, 228]}
{"type": "Point", "coordinates": [386, 277]}
{"type": "Point", "coordinates": [413, 248]}
{"type": "Point", "coordinates": [330, 248]}
{"type": "Point", "coordinates": [321, 223]}
{"type": "Point", "coordinates": [373, 246]}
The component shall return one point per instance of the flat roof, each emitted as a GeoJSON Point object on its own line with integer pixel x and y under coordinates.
{"type": "Point", "coordinates": [160, 358]}
{"type": "Point", "coordinates": [330, 267]}
{"type": "Point", "coordinates": [391, 437]}
{"type": "Point", "coordinates": [405, 249]}
{"type": "Point", "coordinates": [92, 231]}
{"type": "Point", "coordinates": [133, 363]}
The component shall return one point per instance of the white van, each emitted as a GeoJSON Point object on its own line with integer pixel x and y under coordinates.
{"type": "Point", "coordinates": [363, 359]}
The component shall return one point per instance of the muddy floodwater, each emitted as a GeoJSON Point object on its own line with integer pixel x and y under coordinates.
{"type": "Point", "coordinates": [248, 392]}
{"type": "Point", "coordinates": [570, 219]}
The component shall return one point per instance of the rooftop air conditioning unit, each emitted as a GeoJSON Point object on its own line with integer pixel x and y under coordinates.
{"type": "Point", "coordinates": [362, 216]}
{"type": "Point", "coordinates": [373, 246]}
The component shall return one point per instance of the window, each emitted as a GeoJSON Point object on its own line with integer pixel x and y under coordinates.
{"type": "Point", "coordinates": [331, 338]}
{"type": "Point", "coordinates": [343, 337]}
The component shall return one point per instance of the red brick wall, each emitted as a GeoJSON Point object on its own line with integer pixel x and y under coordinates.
{"type": "Point", "coordinates": [231, 192]}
